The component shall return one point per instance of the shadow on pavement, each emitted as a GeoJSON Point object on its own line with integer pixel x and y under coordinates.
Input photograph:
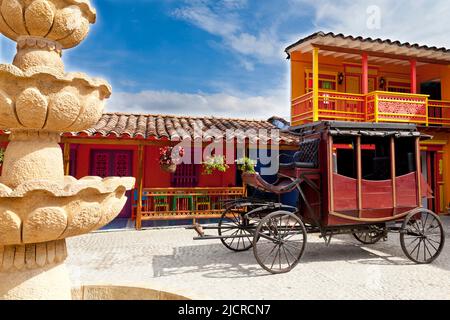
{"type": "Point", "coordinates": [215, 261]}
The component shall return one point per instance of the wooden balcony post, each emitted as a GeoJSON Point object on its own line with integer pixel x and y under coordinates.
{"type": "Point", "coordinates": [365, 73]}
{"type": "Point", "coordinates": [413, 64]}
{"type": "Point", "coordinates": [375, 107]}
{"type": "Point", "coordinates": [315, 84]}
{"type": "Point", "coordinates": [140, 186]}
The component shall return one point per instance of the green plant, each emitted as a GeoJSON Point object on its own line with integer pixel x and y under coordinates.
{"type": "Point", "coordinates": [214, 163]}
{"type": "Point", "coordinates": [2, 156]}
{"type": "Point", "coordinates": [246, 165]}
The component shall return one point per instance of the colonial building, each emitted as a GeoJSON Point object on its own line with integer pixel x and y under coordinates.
{"type": "Point", "coordinates": [337, 77]}
{"type": "Point", "coordinates": [128, 145]}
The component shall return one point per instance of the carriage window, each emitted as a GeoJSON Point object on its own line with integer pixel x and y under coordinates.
{"type": "Point", "coordinates": [376, 158]}
{"type": "Point", "coordinates": [405, 156]}
{"type": "Point", "coordinates": [344, 156]}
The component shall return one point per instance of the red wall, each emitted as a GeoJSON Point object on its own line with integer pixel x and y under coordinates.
{"type": "Point", "coordinates": [154, 176]}
{"type": "Point", "coordinates": [83, 157]}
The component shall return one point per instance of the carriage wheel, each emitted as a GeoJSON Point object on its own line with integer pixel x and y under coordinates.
{"type": "Point", "coordinates": [371, 236]}
{"type": "Point", "coordinates": [279, 242]}
{"type": "Point", "coordinates": [422, 236]}
{"type": "Point", "coordinates": [233, 224]}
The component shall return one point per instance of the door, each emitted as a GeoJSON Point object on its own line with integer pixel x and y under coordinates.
{"type": "Point", "coordinates": [113, 163]}
{"type": "Point", "coordinates": [432, 170]}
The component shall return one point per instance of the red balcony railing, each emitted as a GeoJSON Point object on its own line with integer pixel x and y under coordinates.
{"type": "Point", "coordinates": [439, 113]}
{"type": "Point", "coordinates": [341, 106]}
{"type": "Point", "coordinates": [397, 107]}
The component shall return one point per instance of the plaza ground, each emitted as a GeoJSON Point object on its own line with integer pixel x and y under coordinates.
{"type": "Point", "coordinates": [169, 260]}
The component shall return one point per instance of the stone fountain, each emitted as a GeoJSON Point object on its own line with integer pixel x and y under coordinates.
{"type": "Point", "coordinates": [39, 206]}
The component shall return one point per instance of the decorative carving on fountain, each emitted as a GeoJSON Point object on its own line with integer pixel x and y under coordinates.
{"type": "Point", "coordinates": [39, 206]}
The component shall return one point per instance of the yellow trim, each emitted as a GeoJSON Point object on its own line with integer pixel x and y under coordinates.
{"type": "Point", "coordinates": [400, 120]}
{"type": "Point", "coordinates": [338, 117]}
{"type": "Point", "coordinates": [400, 94]}
{"type": "Point", "coordinates": [315, 84]}
{"type": "Point", "coordinates": [402, 115]}
{"type": "Point", "coordinates": [375, 108]}
{"type": "Point", "coordinates": [341, 111]}
{"type": "Point", "coordinates": [434, 142]}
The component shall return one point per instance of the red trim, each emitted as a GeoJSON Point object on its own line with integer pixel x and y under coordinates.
{"type": "Point", "coordinates": [365, 73]}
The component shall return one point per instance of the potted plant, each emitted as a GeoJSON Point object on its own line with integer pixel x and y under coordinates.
{"type": "Point", "coordinates": [168, 158]}
{"type": "Point", "coordinates": [2, 156]}
{"type": "Point", "coordinates": [246, 165]}
{"type": "Point", "coordinates": [215, 163]}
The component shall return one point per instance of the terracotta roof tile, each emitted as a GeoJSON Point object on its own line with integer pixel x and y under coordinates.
{"type": "Point", "coordinates": [175, 128]}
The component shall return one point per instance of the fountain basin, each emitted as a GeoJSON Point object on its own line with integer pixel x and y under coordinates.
{"type": "Point", "coordinates": [41, 211]}
{"type": "Point", "coordinates": [73, 102]}
{"type": "Point", "coordinates": [65, 21]}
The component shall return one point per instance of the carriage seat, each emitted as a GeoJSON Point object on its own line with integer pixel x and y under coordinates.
{"type": "Point", "coordinates": [281, 186]}
{"type": "Point", "coordinates": [307, 157]}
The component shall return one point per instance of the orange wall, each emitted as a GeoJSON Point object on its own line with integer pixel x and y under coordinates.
{"type": "Point", "coordinates": [300, 62]}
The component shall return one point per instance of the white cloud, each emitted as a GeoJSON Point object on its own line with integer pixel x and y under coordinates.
{"type": "Point", "coordinates": [421, 21]}
{"type": "Point", "coordinates": [225, 19]}
{"type": "Point", "coordinates": [235, 105]}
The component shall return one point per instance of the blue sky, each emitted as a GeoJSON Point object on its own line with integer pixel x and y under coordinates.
{"type": "Point", "coordinates": [225, 57]}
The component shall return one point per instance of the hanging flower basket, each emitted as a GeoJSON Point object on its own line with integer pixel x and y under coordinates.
{"type": "Point", "coordinates": [170, 168]}
{"type": "Point", "coordinates": [168, 158]}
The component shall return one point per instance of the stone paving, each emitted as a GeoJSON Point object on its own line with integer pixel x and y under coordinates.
{"type": "Point", "coordinates": [169, 260]}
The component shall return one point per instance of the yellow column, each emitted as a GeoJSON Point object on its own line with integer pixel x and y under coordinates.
{"type": "Point", "coordinates": [376, 107]}
{"type": "Point", "coordinates": [316, 84]}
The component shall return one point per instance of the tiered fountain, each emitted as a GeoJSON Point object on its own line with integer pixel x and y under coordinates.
{"type": "Point", "coordinates": [39, 206]}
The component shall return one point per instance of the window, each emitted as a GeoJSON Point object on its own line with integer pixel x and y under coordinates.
{"type": "Point", "coordinates": [399, 85]}
{"type": "Point", "coordinates": [376, 158]}
{"type": "Point", "coordinates": [186, 176]}
{"type": "Point", "coordinates": [327, 80]}
{"type": "Point", "coordinates": [405, 156]}
{"type": "Point", "coordinates": [345, 156]}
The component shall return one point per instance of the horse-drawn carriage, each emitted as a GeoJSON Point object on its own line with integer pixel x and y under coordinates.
{"type": "Point", "coordinates": [362, 179]}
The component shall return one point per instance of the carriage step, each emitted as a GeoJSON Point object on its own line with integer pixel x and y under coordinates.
{"type": "Point", "coordinates": [199, 229]}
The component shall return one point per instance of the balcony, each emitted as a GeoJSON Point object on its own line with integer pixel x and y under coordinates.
{"type": "Point", "coordinates": [377, 106]}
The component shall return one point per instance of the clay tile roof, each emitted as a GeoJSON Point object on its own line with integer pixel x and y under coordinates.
{"type": "Point", "coordinates": [424, 53]}
{"type": "Point", "coordinates": [176, 128]}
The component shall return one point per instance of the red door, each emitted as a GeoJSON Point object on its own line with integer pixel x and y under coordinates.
{"type": "Point", "coordinates": [112, 163]}
{"type": "Point", "coordinates": [433, 173]}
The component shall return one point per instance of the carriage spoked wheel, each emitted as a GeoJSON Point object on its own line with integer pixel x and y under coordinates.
{"type": "Point", "coordinates": [422, 236]}
{"type": "Point", "coordinates": [240, 230]}
{"type": "Point", "coordinates": [279, 242]}
{"type": "Point", "coordinates": [371, 236]}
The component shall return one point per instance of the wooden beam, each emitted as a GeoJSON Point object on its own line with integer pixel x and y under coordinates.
{"type": "Point", "coordinates": [66, 158]}
{"type": "Point", "coordinates": [378, 54]}
{"type": "Point", "coordinates": [393, 174]}
{"type": "Point", "coordinates": [419, 173]}
{"type": "Point", "coordinates": [140, 186]}
{"type": "Point", "coordinates": [359, 174]}
{"type": "Point", "coordinates": [330, 174]}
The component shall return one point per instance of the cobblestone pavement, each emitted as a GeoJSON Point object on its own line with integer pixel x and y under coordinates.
{"type": "Point", "coordinates": [169, 260]}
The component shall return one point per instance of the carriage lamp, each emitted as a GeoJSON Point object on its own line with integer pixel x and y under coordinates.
{"type": "Point", "coordinates": [382, 83]}
{"type": "Point", "coordinates": [340, 78]}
